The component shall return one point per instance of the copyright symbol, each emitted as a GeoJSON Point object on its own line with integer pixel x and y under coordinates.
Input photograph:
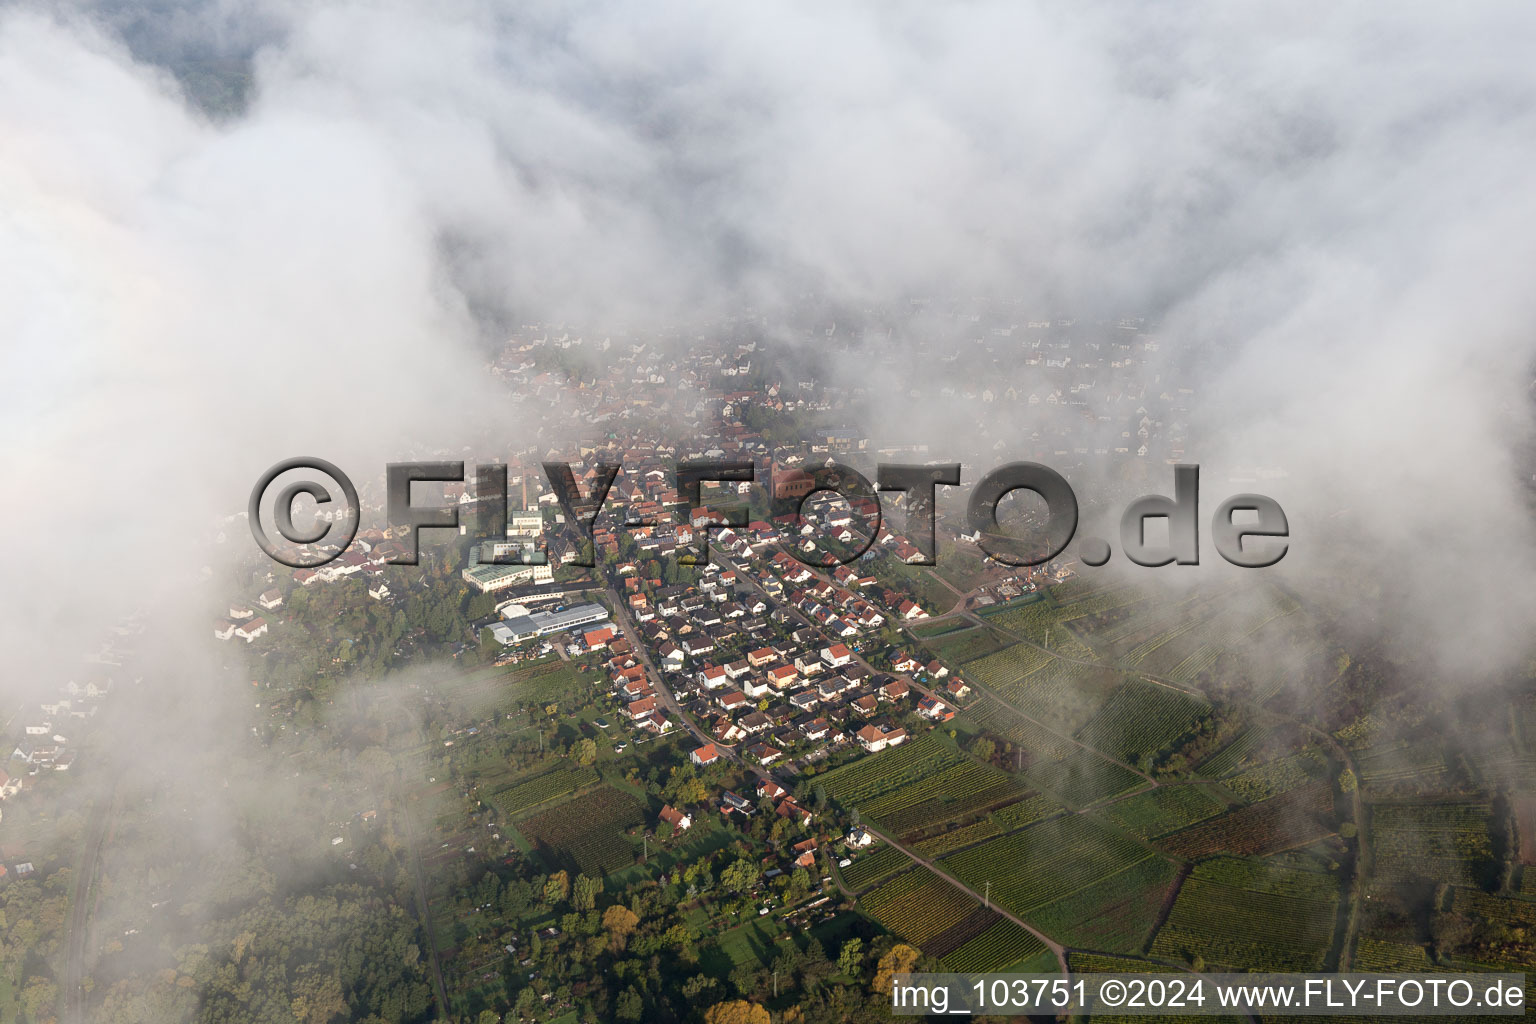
{"type": "Point", "coordinates": [340, 523]}
{"type": "Point", "coordinates": [1112, 992]}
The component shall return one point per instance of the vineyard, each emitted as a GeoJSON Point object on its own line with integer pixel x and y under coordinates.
{"type": "Point", "coordinates": [959, 646]}
{"type": "Point", "coordinates": [1380, 955]}
{"type": "Point", "coordinates": [1045, 862]}
{"type": "Point", "coordinates": [1039, 622]}
{"type": "Point", "coordinates": [590, 836]}
{"type": "Point", "coordinates": [874, 866]}
{"type": "Point", "coordinates": [1105, 963]}
{"type": "Point", "coordinates": [561, 781]}
{"type": "Point", "coordinates": [1023, 812]}
{"type": "Point", "coordinates": [1000, 947]}
{"type": "Point", "coordinates": [1071, 773]}
{"type": "Point", "coordinates": [1499, 910]}
{"type": "Point", "coordinates": [1060, 694]}
{"type": "Point", "coordinates": [1237, 754]}
{"type": "Point", "coordinates": [1292, 819]}
{"type": "Point", "coordinates": [1140, 719]}
{"type": "Point", "coordinates": [1441, 842]}
{"type": "Point", "coordinates": [1115, 914]}
{"type": "Point", "coordinates": [1250, 916]}
{"type": "Point", "coordinates": [959, 838]}
{"type": "Point", "coordinates": [1165, 809]}
{"type": "Point", "coordinates": [1002, 669]}
{"type": "Point", "coordinates": [941, 796]}
{"type": "Point", "coordinates": [1388, 765]}
{"type": "Point", "coordinates": [918, 905]}
{"type": "Point", "coordinates": [889, 770]}
{"type": "Point", "coordinates": [1278, 776]}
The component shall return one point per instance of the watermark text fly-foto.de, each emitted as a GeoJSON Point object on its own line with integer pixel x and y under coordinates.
{"type": "Point", "coordinates": [1261, 539]}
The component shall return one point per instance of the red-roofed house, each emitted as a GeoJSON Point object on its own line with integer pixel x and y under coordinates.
{"type": "Point", "coordinates": [837, 655]}
{"type": "Point", "coordinates": [676, 818]}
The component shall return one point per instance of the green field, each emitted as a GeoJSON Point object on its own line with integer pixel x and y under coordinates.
{"type": "Point", "coordinates": [943, 795]}
{"type": "Point", "coordinates": [918, 905]}
{"type": "Point", "coordinates": [589, 834]}
{"type": "Point", "coordinates": [564, 779]}
{"type": "Point", "coordinates": [861, 781]}
{"type": "Point", "coordinates": [1278, 776]}
{"type": "Point", "coordinates": [1165, 809]}
{"type": "Point", "coordinates": [1063, 769]}
{"type": "Point", "coordinates": [1444, 842]}
{"type": "Point", "coordinates": [1002, 946]}
{"type": "Point", "coordinates": [1141, 719]}
{"type": "Point", "coordinates": [1116, 913]}
{"type": "Point", "coordinates": [1046, 862]}
{"type": "Point", "coordinates": [1248, 915]}
{"type": "Point", "coordinates": [874, 866]}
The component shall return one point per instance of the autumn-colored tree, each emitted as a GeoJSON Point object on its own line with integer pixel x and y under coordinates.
{"type": "Point", "coordinates": [900, 960]}
{"type": "Point", "coordinates": [619, 921]}
{"type": "Point", "coordinates": [584, 751]}
{"type": "Point", "coordinates": [557, 887]}
{"type": "Point", "coordinates": [736, 1011]}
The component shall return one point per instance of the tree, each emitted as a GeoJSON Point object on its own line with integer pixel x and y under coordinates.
{"type": "Point", "coordinates": [900, 960]}
{"type": "Point", "coordinates": [584, 893]}
{"type": "Point", "coordinates": [557, 888]}
{"type": "Point", "coordinates": [983, 748]}
{"type": "Point", "coordinates": [736, 1011]}
{"type": "Point", "coordinates": [584, 751]}
{"type": "Point", "coordinates": [739, 875]}
{"type": "Point", "coordinates": [848, 960]}
{"type": "Point", "coordinates": [630, 1006]}
{"type": "Point", "coordinates": [619, 922]}
{"type": "Point", "coordinates": [489, 1017]}
{"type": "Point", "coordinates": [691, 791]}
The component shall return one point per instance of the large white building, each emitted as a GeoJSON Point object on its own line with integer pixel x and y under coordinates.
{"type": "Point", "coordinates": [517, 627]}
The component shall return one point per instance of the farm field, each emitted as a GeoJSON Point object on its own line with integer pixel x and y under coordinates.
{"type": "Point", "coordinates": [1040, 622]}
{"type": "Point", "coordinates": [959, 838]}
{"type": "Point", "coordinates": [1024, 812]}
{"type": "Point", "coordinates": [1003, 945]}
{"type": "Point", "coordinates": [522, 796]}
{"type": "Point", "coordinates": [891, 769]}
{"type": "Point", "coordinates": [1291, 819]}
{"type": "Point", "coordinates": [1387, 765]}
{"type": "Point", "coordinates": [589, 836]}
{"type": "Point", "coordinates": [1237, 755]}
{"type": "Point", "coordinates": [1278, 776]}
{"type": "Point", "coordinates": [957, 647]}
{"type": "Point", "coordinates": [1165, 809]}
{"type": "Point", "coordinates": [1140, 719]}
{"type": "Point", "coordinates": [1045, 862]}
{"type": "Point", "coordinates": [1373, 954]}
{"type": "Point", "coordinates": [1061, 694]}
{"type": "Point", "coordinates": [961, 788]}
{"type": "Point", "coordinates": [1248, 915]}
{"type": "Point", "coordinates": [874, 866]}
{"type": "Point", "coordinates": [918, 905]}
{"type": "Point", "coordinates": [1115, 914]}
{"type": "Point", "coordinates": [1445, 842]}
{"type": "Point", "coordinates": [1064, 770]}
